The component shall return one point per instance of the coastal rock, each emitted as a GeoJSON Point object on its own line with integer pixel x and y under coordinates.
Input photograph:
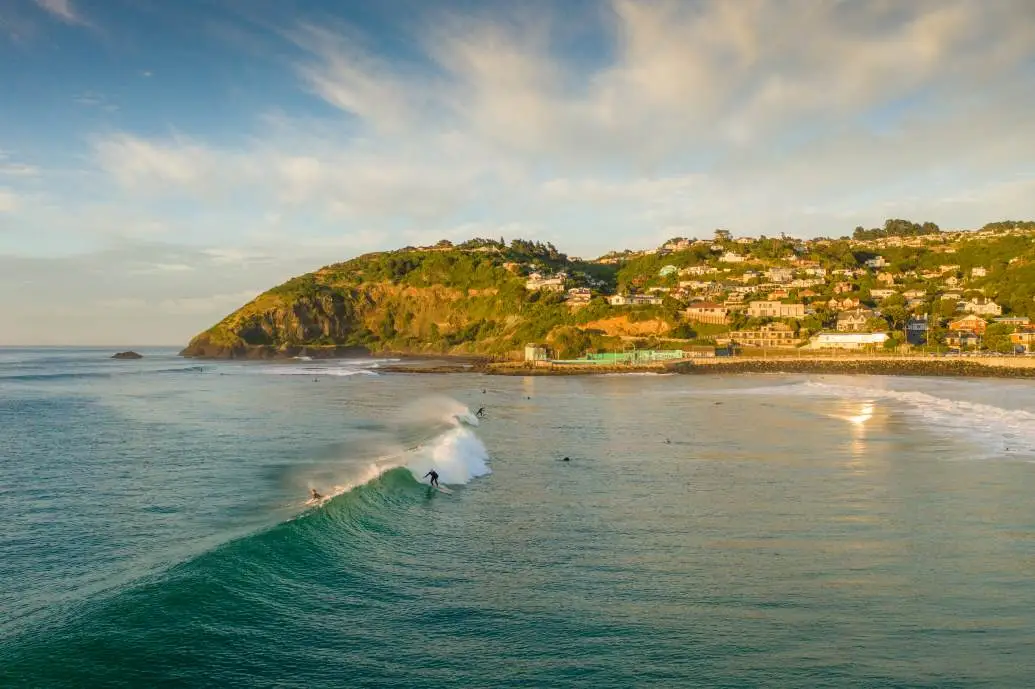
{"type": "Point", "coordinates": [127, 355]}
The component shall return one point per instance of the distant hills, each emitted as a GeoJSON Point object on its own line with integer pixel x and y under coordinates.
{"type": "Point", "coordinates": [490, 297]}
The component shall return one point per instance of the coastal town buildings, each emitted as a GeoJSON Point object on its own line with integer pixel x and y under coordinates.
{"type": "Point", "coordinates": [970, 323]}
{"type": "Point", "coordinates": [771, 335]}
{"type": "Point", "coordinates": [983, 307]}
{"type": "Point", "coordinates": [853, 321]}
{"type": "Point", "coordinates": [828, 340]}
{"type": "Point", "coordinates": [916, 330]}
{"type": "Point", "coordinates": [775, 309]}
{"type": "Point", "coordinates": [579, 295]}
{"type": "Point", "coordinates": [707, 312]}
{"type": "Point", "coordinates": [538, 281]}
{"type": "Point", "coordinates": [634, 300]}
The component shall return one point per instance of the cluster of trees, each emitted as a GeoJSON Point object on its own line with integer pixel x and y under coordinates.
{"type": "Point", "coordinates": [1007, 225]}
{"type": "Point", "coordinates": [896, 227]}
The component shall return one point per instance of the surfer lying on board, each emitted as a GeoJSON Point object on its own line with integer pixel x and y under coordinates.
{"type": "Point", "coordinates": [434, 477]}
{"type": "Point", "coordinates": [314, 495]}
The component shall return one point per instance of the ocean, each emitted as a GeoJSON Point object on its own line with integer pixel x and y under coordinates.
{"type": "Point", "coordinates": [706, 531]}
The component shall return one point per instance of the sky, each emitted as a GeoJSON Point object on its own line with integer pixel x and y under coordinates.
{"type": "Point", "coordinates": [163, 162]}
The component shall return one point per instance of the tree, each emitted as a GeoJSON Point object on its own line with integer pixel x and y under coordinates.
{"type": "Point", "coordinates": [997, 338]}
{"type": "Point", "coordinates": [723, 236]}
{"type": "Point", "coordinates": [946, 308]}
{"type": "Point", "coordinates": [897, 316]}
{"type": "Point", "coordinates": [876, 324]}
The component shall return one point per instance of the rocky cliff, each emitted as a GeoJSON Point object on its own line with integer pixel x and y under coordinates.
{"type": "Point", "coordinates": [409, 301]}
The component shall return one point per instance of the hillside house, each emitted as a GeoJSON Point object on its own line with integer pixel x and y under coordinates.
{"type": "Point", "coordinates": [776, 294]}
{"type": "Point", "coordinates": [775, 309]}
{"type": "Point", "coordinates": [969, 323]}
{"type": "Point", "coordinates": [538, 281]}
{"type": "Point", "coordinates": [952, 281]}
{"type": "Point", "coordinates": [1023, 340]}
{"type": "Point", "coordinates": [876, 263]}
{"type": "Point", "coordinates": [915, 294]}
{"type": "Point", "coordinates": [1017, 321]}
{"type": "Point", "coordinates": [634, 300]}
{"type": "Point", "coordinates": [942, 270]}
{"type": "Point", "coordinates": [707, 312]}
{"type": "Point", "coordinates": [843, 304]}
{"type": "Point", "coordinates": [780, 274]}
{"type": "Point", "coordinates": [828, 340]}
{"type": "Point", "coordinates": [853, 321]}
{"type": "Point", "coordinates": [843, 288]}
{"type": "Point", "coordinates": [771, 335]}
{"type": "Point", "coordinates": [579, 295]}
{"type": "Point", "coordinates": [963, 339]}
{"type": "Point", "coordinates": [668, 270]}
{"type": "Point", "coordinates": [696, 270]}
{"type": "Point", "coordinates": [882, 293]}
{"type": "Point", "coordinates": [983, 307]}
{"type": "Point", "coordinates": [886, 278]}
{"type": "Point", "coordinates": [978, 272]}
{"type": "Point", "coordinates": [731, 257]}
{"type": "Point", "coordinates": [916, 330]}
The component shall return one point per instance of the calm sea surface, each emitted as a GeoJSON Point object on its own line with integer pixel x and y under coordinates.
{"type": "Point", "coordinates": [734, 531]}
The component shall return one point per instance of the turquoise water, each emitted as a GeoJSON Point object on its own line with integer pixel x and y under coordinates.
{"type": "Point", "coordinates": [707, 531]}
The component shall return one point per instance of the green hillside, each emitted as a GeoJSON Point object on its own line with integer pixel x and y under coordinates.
{"type": "Point", "coordinates": [472, 298]}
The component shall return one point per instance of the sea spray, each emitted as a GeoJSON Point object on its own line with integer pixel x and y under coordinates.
{"type": "Point", "coordinates": [430, 433]}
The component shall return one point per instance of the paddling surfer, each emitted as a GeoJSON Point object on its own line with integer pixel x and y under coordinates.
{"type": "Point", "coordinates": [434, 477]}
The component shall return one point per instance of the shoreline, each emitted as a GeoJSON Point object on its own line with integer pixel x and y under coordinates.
{"type": "Point", "coordinates": [977, 367]}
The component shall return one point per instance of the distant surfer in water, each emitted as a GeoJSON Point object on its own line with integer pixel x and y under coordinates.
{"type": "Point", "coordinates": [434, 477]}
{"type": "Point", "coordinates": [480, 413]}
{"type": "Point", "coordinates": [314, 495]}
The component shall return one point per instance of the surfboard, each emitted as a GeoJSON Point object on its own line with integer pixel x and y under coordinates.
{"type": "Point", "coordinates": [444, 489]}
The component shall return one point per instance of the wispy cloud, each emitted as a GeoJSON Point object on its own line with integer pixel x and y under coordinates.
{"type": "Point", "coordinates": [93, 99]}
{"type": "Point", "coordinates": [8, 201]}
{"type": "Point", "coordinates": [63, 10]}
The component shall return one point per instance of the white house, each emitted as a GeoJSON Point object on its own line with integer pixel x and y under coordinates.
{"type": "Point", "coordinates": [847, 340]}
{"type": "Point", "coordinates": [978, 272]}
{"type": "Point", "coordinates": [633, 300]}
{"type": "Point", "coordinates": [731, 257]}
{"type": "Point", "coordinates": [876, 262]}
{"type": "Point", "coordinates": [538, 281]}
{"type": "Point", "coordinates": [983, 307]}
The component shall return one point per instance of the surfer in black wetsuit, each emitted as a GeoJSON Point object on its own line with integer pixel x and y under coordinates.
{"type": "Point", "coordinates": [314, 495]}
{"type": "Point", "coordinates": [480, 413]}
{"type": "Point", "coordinates": [434, 477]}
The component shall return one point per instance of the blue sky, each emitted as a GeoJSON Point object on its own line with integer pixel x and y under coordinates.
{"type": "Point", "coordinates": [162, 162]}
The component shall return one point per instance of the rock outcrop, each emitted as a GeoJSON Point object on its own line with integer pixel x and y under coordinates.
{"type": "Point", "coordinates": [127, 355]}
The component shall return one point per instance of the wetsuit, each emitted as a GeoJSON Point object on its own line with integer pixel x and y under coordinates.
{"type": "Point", "coordinates": [434, 477]}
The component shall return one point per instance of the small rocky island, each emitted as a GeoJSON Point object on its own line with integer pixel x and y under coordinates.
{"type": "Point", "coordinates": [127, 355]}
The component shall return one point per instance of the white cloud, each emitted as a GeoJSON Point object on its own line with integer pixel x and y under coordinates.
{"type": "Point", "coordinates": [63, 10]}
{"type": "Point", "coordinates": [18, 170]}
{"type": "Point", "coordinates": [216, 303]}
{"type": "Point", "coordinates": [8, 201]}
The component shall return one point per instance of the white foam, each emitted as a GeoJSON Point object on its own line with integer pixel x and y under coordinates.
{"type": "Point", "coordinates": [994, 431]}
{"type": "Point", "coordinates": [339, 371]}
{"type": "Point", "coordinates": [457, 456]}
{"type": "Point", "coordinates": [455, 452]}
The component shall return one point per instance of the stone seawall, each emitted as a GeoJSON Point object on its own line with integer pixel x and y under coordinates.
{"type": "Point", "coordinates": [988, 367]}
